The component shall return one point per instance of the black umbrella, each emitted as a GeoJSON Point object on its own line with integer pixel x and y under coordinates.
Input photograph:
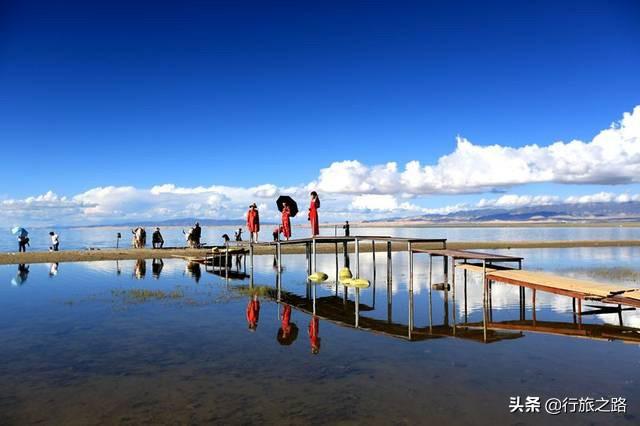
{"type": "Point", "coordinates": [293, 206]}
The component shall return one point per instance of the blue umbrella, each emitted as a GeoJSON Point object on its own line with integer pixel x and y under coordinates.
{"type": "Point", "coordinates": [19, 230]}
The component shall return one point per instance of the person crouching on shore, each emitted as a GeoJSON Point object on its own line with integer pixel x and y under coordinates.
{"type": "Point", "coordinates": [55, 241]}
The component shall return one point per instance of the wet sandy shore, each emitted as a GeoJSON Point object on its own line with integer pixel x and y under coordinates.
{"type": "Point", "coordinates": [129, 253]}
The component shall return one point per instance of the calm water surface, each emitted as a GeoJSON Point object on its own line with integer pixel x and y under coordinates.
{"type": "Point", "coordinates": [105, 237]}
{"type": "Point", "coordinates": [80, 346]}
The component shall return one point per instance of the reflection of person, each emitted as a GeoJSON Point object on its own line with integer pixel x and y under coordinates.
{"type": "Point", "coordinates": [140, 269]}
{"type": "Point", "coordinates": [314, 335]}
{"type": "Point", "coordinates": [156, 239]}
{"type": "Point", "coordinates": [55, 241]}
{"type": "Point", "coordinates": [288, 331]}
{"type": "Point", "coordinates": [253, 313]}
{"type": "Point", "coordinates": [21, 276]}
{"type": "Point", "coordinates": [193, 268]}
{"type": "Point", "coordinates": [313, 213]}
{"type": "Point", "coordinates": [156, 267]}
{"type": "Point", "coordinates": [253, 222]}
{"type": "Point", "coordinates": [286, 221]}
{"type": "Point", "coordinates": [53, 269]}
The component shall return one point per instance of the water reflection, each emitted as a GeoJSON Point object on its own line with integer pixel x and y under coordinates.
{"type": "Point", "coordinates": [314, 334]}
{"type": "Point", "coordinates": [21, 275]}
{"type": "Point", "coordinates": [140, 269]}
{"type": "Point", "coordinates": [288, 331]}
{"type": "Point", "coordinates": [253, 312]}
{"type": "Point", "coordinates": [53, 269]}
{"type": "Point", "coordinates": [194, 270]}
{"type": "Point", "coordinates": [156, 267]}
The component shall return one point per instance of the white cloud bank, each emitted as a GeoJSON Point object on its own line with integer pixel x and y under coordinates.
{"type": "Point", "coordinates": [350, 189]}
{"type": "Point", "coordinates": [612, 157]}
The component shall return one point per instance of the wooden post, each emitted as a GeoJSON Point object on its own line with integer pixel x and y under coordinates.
{"type": "Point", "coordinates": [430, 285]}
{"type": "Point", "coordinates": [373, 253]}
{"type": "Point", "coordinates": [465, 295]}
{"type": "Point", "coordinates": [580, 313]}
{"type": "Point", "coordinates": [357, 257]}
{"type": "Point", "coordinates": [279, 254]}
{"type": "Point", "coordinates": [315, 252]}
{"type": "Point", "coordinates": [389, 262]}
{"type": "Point", "coordinates": [533, 307]}
{"type": "Point", "coordinates": [484, 304]}
{"type": "Point", "coordinates": [410, 250]}
{"type": "Point", "coordinates": [357, 306]}
{"type": "Point", "coordinates": [453, 293]}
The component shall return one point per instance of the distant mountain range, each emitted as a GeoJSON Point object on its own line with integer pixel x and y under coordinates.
{"type": "Point", "coordinates": [580, 212]}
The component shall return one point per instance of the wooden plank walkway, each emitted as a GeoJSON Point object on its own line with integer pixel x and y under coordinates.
{"type": "Point", "coordinates": [469, 255]}
{"type": "Point", "coordinates": [558, 284]}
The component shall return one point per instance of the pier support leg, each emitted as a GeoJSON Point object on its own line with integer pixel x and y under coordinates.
{"type": "Point", "coordinates": [410, 250]}
{"type": "Point", "coordinates": [430, 286]}
{"type": "Point", "coordinates": [389, 262]}
{"type": "Point", "coordinates": [357, 242]}
{"type": "Point", "coordinates": [453, 293]}
{"type": "Point", "coordinates": [465, 296]}
{"type": "Point", "coordinates": [315, 256]}
{"type": "Point", "coordinates": [533, 305]}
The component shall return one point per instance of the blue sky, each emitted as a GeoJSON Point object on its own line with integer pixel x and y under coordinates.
{"type": "Point", "coordinates": [243, 94]}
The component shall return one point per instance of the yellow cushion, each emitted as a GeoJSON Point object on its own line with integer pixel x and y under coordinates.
{"type": "Point", "coordinates": [357, 282]}
{"type": "Point", "coordinates": [318, 277]}
{"type": "Point", "coordinates": [344, 274]}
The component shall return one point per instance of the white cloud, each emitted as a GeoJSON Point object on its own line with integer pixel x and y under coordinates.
{"type": "Point", "coordinates": [351, 189]}
{"type": "Point", "coordinates": [612, 157]}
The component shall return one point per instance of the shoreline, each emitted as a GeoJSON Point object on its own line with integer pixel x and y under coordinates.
{"type": "Point", "coordinates": [148, 253]}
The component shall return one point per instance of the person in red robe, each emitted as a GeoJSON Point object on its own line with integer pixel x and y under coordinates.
{"type": "Point", "coordinates": [253, 223]}
{"type": "Point", "coordinates": [286, 221]}
{"type": "Point", "coordinates": [253, 312]}
{"type": "Point", "coordinates": [314, 335]}
{"type": "Point", "coordinates": [313, 214]}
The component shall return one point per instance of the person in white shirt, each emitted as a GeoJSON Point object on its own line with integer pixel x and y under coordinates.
{"type": "Point", "coordinates": [55, 241]}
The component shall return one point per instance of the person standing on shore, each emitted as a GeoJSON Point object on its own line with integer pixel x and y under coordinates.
{"type": "Point", "coordinates": [156, 239]}
{"type": "Point", "coordinates": [286, 221]}
{"type": "Point", "coordinates": [253, 223]}
{"type": "Point", "coordinates": [55, 241]}
{"type": "Point", "coordinates": [196, 234]}
{"type": "Point", "coordinates": [313, 213]}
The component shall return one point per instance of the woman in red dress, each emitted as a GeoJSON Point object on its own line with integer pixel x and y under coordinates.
{"type": "Point", "coordinates": [314, 337]}
{"type": "Point", "coordinates": [253, 312]}
{"type": "Point", "coordinates": [286, 221]}
{"type": "Point", "coordinates": [313, 214]}
{"type": "Point", "coordinates": [253, 222]}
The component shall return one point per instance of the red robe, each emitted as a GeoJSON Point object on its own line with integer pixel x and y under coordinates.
{"type": "Point", "coordinates": [314, 333]}
{"type": "Point", "coordinates": [253, 220]}
{"type": "Point", "coordinates": [286, 319]}
{"type": "Point", "coordinates": [253, 313]}
{"type": "Point", "coordinates": [286, 222]}
{"type": "Point", "coordinates": [313, 217]}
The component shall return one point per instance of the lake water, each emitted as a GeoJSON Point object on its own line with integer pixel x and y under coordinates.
{"type": "Point", "coordinates": [142, 342]}
{"type": "Point", "coordinates": [105, 237]}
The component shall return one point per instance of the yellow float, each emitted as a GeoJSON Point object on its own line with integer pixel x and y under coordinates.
{"type": "Point", "coordinates": [318, 277]}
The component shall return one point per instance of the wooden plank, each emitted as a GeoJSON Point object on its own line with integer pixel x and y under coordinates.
{"type": "Point", "coordinates": [549, 282]}
{"type": "Point", "coordinates": [469, 255]}
{"type": "Point", "coordinates": [474, 268]}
